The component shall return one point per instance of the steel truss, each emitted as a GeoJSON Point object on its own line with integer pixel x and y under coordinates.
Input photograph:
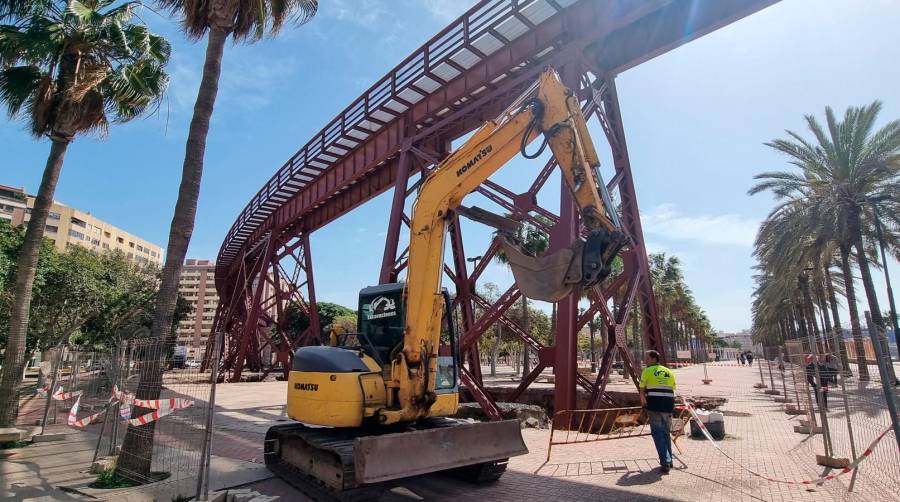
{"type": "Point", "coordinates": [403, 126]}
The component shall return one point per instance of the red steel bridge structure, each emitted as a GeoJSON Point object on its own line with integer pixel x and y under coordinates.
{"type": "Point", "coordinates": [403, 126]}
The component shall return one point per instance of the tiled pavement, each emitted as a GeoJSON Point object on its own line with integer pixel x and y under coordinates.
{"type": "Point", "coordinates": [760, 436]}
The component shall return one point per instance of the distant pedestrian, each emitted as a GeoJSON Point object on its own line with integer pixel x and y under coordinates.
{"type": "Point", "coordinates": [818, 378]}
{"type": "Point", "coordinates": [658, 398]}
{"type": "Point", "coordinates": [749, 358]}
{"type": "Point", "coordinates": [741, 358]}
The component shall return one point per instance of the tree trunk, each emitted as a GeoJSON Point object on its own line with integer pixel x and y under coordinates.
{"type": "Point", "coordinates": [526, 325]}
{"type": "Point", "coordinates": [855, 328]}
{"type": "Point", "coordinates": [495, 350]}
{"type": "Point", "coordinates": [26, 268]}
{"type": "Point", "coordinates": [592, 328]}
{"type": "Point", "coordinates": [137, 447]}
{"type": "Point", "coordinates": [832, 300]}
{"type": "Point", "coordinates": [801, 322]}
{"type": "Point", "coordinates": [821, 302]}
{"type": "Point", "coordinates": [872, 297]}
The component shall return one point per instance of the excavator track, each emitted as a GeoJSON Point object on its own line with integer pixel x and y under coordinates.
{"type": "Point", "coordinates": [327, 470]}
{"type": "Point", "coordinates": [322, 462]}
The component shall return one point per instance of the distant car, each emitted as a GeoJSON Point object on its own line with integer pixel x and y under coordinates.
{"type": "Point", "coordinates": [192, 364]}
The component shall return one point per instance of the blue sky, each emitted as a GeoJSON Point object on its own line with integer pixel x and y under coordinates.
{"type": "Point", "coordinates": [695, 119]}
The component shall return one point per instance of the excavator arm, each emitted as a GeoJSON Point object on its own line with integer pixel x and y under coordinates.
{"type": "Point", "coordinates": [549, 108]}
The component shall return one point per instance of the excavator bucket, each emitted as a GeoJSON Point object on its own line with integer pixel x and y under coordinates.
{"type": "Point", "coordinates": [548, 278]}
{"type": "Point", "coordinates": [554, 276]}
{"type": "Point", "coordinates": [474, 446]}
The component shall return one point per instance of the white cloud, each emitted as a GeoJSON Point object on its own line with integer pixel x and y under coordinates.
{"type": "Point", "coordinates": [247, 83]}
{"type": "Point", "coordinates": [447, 10]}
{"type": "Point", "coordinates": [366, 13]}
{"type": "Point", "coordinates": [666, 221]}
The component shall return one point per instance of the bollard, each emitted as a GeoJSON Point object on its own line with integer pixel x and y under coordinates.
{"type": "Point", "coordinates": [706, 380]}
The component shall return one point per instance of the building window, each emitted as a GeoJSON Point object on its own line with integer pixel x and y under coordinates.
{"type": "Point", "coordinates": [76, 234]}
{"type": "Point", "coordinates": [120, 240]}
{"type": "Point", "coordinates": [51, 229]}
{"type": "Point", "coordinates": [131, 244]}
{"type": "Point", "coordinates": [153, 254]}
{"type": "Point", "coordinates": [95, 242]}
{"type": "Point", "coordinates": [106, 234]}
{"type": "Point", "coordinates": [79, 223]}
{"type": "Point", "coordinates": [105, 246]}
{"type": "Point", "coordinates": [53, 216]}
{"type": "Point", "coordinates": [140, 248]}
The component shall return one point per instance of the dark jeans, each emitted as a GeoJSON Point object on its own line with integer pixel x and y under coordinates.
{"type": "Point", "coordinates": [661, 431]}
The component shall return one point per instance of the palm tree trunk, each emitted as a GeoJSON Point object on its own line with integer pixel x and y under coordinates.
{"type": "Point", "coordinates": [801, 322]}
{"type": "Point", "coordinates": [526, 358]}
{"type": "Point", "coordinates": [137, 447]}
{"type": "Point", "coordinates": [872, 298]}
{"type": "Point", "coordinates": [495, 350]}
{"type": "Point", "coordinates": [832, 300]}
{"type": "Point", "coordinates": [26, 268]}
{"type": "Point", "coordinates": [826, 320]}
{"type": "Point", "coordinates": [855, 329]}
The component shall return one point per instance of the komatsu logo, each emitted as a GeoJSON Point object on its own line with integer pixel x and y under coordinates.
{"type": "Point", "coordinates": [307, 386]}
{"type": "Point", "coordinates": [474, 160]}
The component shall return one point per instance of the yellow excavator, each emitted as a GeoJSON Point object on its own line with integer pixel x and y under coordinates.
{"type": "Point", "coordinates": [373, 406]}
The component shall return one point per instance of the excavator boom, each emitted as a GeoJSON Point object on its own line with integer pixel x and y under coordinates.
{"type": "Point", "coordinates": [551, 109]}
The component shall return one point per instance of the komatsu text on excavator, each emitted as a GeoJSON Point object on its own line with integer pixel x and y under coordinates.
{"type": "Point", "coordinates": [374, 406]}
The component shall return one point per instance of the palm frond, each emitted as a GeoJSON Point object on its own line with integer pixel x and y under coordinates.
{"type": "Point", "coordinates": [18, 85]}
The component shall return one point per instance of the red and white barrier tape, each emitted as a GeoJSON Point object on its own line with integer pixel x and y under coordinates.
{"type": "Point", "coordinates": [817, 481]}
{"type": "Point", "coordinates": [161, 407]}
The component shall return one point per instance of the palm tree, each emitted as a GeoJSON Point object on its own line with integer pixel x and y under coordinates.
{"type": "Point", "coordinates": [850, 170]}
{"type": "Point", "coordinates": [68, 68]}
{"type": "Point", "coordinates": [243, 20]}
{"type": "Point", "coordinates": [798, 238]}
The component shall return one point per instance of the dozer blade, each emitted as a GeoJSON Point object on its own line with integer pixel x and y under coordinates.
{"type": "Point", "coordinates": [399, 455]}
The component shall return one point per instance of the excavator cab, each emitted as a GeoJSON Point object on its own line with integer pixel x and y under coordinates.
{"type": "Point", "coordinates": [381, 320]}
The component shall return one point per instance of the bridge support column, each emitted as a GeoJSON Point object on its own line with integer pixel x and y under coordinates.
{"type": "Point", "coordinates": [391, 241]}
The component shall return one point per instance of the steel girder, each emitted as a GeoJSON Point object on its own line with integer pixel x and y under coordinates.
{"type": "Point", "coordinates": [403, 125]}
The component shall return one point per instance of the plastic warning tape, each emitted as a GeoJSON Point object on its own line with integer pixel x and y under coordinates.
{"type": "Point", "coordinates": [818, 481]}
{"type": "Point", "coordinates": [161, 407]}
{"type": "Point", "coordinates": [73, 414]}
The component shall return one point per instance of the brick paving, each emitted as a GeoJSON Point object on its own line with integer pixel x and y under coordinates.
{"type": "Point", "coordinates": [760, 436]}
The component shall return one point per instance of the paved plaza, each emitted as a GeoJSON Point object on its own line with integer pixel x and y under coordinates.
{"type": "Point", "coordinates": [760, 436]}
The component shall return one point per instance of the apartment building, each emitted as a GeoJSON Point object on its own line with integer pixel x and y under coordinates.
{"type": "Point", "coordinates": [67, 226]}
{"type": "Point", "coordinates": [12, 200]}
{"type": "Point", "coordinates": [197, 285]}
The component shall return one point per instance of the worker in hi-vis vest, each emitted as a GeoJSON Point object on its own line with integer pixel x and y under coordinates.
{"type": "Point", "coordinates": [658, 398]}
